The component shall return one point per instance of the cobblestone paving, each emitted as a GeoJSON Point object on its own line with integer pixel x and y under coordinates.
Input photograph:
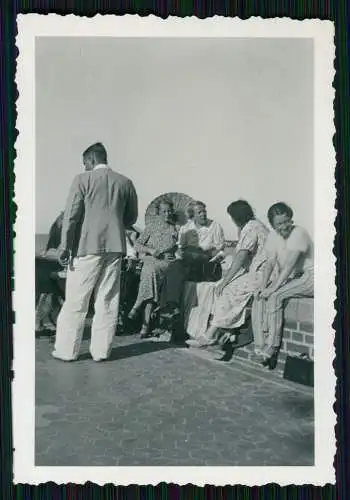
{"type": "Point", "coordinates": [157, 405]}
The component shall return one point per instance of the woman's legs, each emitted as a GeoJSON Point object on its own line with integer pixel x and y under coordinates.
{"type": "Point", "coordinates": [258, 320]}
{"type": "Point", "coordinates": [145, 330]}
{"type": "Point", "coordinates": [172, 285]}
{"type": "Point", "coordinates": [138, 305]}
{"type": "Point", "coordinates": [299, 287]}
{"type": "Point", "coordinates": [229, 309]}
{"type": "Point", "coordinates": [40, 312]}
{"type": "Point", "coordinates": [43, 314]}
{"type": "Point", "coordinates": [136, 308]}
{"type": "Point", "coordinates": [211, 336]}
{"type": "Point", "coordinates": [212, 333]}
{"type": "Point", "coordinates": [150, 281]}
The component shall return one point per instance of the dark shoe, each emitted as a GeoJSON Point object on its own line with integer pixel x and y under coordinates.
{"type": "Point", "coordinates": [271, 362]}
{"type": "Point", "coordinates": [178, 341]}
{"type": "Point", "coordinates": [229, 350]}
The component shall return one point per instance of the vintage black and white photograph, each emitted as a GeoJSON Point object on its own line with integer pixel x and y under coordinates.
{"type": "Point", "coordinates": [174, 269]}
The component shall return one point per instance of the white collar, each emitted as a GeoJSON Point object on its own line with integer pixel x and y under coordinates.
{"type": "Point", "coordinates": [198, 228]}
{"type": "Point", "coordinates": [100, 165]}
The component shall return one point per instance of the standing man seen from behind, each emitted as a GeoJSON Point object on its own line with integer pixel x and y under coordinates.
{"type": "Point", "coordinates": [100, 206]}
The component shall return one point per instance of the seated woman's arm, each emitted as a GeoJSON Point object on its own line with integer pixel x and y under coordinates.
{"type": "Point", "coordinates": [240, 261]}
{"type": "Point", "coordinates": [268, 268]}
{"type": "Point", "coordinates": [218, 242]}
{"type": "Point", "coordinates": [133, 237]}
{"type": "Point", "coordinates": [141, 245]}
{"type": "Point", "coordinates": [284, 274]}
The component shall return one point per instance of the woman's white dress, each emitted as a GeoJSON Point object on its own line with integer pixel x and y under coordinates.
{"type": "Point", "coordinates": [195, 294]}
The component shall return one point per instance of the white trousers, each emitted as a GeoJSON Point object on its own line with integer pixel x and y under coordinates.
{"type": "Point", "coordinates": [93, 273]}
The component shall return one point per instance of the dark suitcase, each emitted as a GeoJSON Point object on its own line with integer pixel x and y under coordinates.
{"type": "Point", "coordinates": [299, 369]}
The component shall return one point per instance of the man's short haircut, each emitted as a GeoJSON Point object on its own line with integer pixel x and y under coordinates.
{"type": "Point", "coordinates": [98, 151]}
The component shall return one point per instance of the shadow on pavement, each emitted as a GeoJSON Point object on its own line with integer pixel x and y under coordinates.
{"type": "Point", "coordinates": [131, 350]}
{"type": "Point", "coordinates": [138, 349]}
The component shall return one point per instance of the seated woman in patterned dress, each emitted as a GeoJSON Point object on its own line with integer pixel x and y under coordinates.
{"type": "Point", "coordinates": [290, 250]}
{"type": "Point", "coordinates": [158, 244]}
{"type": "Point", "coordinates": [242, 279]}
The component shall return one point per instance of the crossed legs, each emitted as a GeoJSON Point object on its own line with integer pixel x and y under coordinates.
{"type": "Point", "coordinates": [267, 315]}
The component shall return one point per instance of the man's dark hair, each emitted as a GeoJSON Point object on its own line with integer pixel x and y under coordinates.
{"type": "Point", "coordinates": [279, 208]}
{"type": "Point", "coordinates": [98, 151]}
{"type": "Point", "coordinates": [241, 212]}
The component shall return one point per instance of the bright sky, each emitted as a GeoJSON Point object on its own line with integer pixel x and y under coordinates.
{"type": "Point", "coordinates": [217, 119]}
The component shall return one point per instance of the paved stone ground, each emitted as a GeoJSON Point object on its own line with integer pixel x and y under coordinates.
{"type": "Point", "coordinates": [157, 405]}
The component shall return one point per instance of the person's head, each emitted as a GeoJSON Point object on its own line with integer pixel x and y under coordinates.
{"type": "Point", "coordinates": [240, 212]}
{"type": "Point", "coordinates": [198, 212]}
{"type": "Point", "coordinates": [280, 216]}
{"type": "Point", "coordinates": [165, 209]}
{"type": "Point", "coordinates": [94, 155]}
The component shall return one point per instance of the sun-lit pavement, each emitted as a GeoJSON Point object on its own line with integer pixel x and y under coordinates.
{"type": "Point", "coordinates": [154, 404]}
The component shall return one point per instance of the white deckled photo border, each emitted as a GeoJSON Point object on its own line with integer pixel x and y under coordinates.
{"type": "Point", "coordinates": [31, 26]}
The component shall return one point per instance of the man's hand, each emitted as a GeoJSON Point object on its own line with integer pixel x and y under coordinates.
{"type": "Point", "coordinates": [217, 257]}
{"type": "Point", "coordinates": [64, 257]}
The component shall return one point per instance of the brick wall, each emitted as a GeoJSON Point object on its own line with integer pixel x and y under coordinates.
{"type": "Point", "coordinates": [298, 333]}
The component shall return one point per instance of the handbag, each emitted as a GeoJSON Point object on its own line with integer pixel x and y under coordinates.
{"type": "Point", "coordinates": [299, 369]}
